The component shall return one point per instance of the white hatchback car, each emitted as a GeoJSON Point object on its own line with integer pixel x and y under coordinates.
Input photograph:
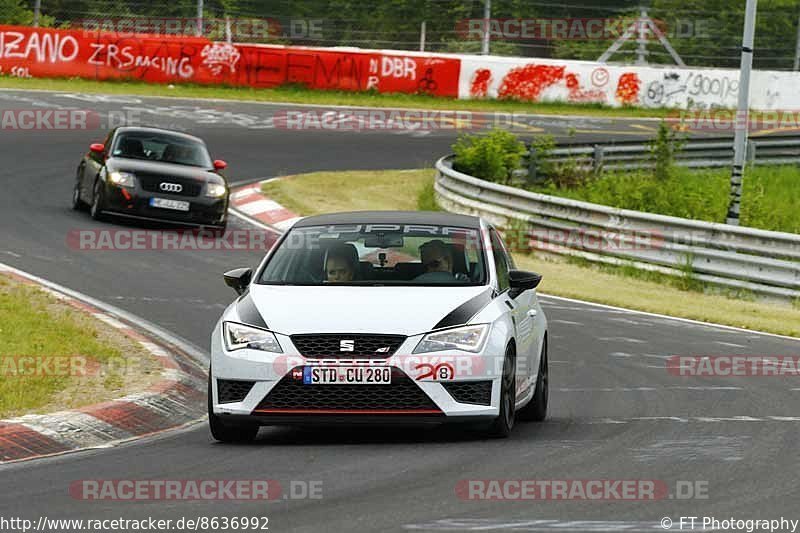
{"type": "Point", "coordinates": [380, 317]}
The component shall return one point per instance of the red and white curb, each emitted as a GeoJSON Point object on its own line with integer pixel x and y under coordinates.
{"type": "Point", "coordinates": [249, 201]}
{"type": "Point", "coordinates": [179, 398]}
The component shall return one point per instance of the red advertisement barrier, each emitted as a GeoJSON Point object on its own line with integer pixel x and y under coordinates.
{"type": "Point", "coordinates": [38, 52]}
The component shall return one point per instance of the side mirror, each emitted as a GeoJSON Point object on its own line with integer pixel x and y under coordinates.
{"type": "Point", "coordinates": [522, 281]}
{"type": "Point", "coordinates": [97, 148]}
{"type": "Point", "coordinates": [219, 164]}
{"type": "Point", "coordinates": [238, 279]}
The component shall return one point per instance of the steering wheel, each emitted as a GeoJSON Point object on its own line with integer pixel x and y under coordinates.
{"type": "Point", "coordinates": [309, 276]}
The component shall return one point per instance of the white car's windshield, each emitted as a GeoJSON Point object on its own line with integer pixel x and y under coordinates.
{"type": "Point", "coordinates": [378, 254]}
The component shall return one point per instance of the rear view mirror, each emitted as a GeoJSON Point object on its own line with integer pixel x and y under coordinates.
{"type": "Point", "coordinates": [522, 281]}
{"type": "Point", "coordinates": [97, 148]}
{"type": "Point", "coordinates": [238, 279]}
{"type": "Point", "coordinates": [393, 240]}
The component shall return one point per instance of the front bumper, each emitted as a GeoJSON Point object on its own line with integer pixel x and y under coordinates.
{"type": "Point", "coordinates": [135, 203]}
{"type": "Point", "coordinates": [273, 398]}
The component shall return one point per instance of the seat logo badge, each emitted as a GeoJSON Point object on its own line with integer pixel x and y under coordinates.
{"type": "Point", "coordinates": [171, 187]}
{"type": "Point", "coordinates": [347, 345]}
{"type": "Point", "coordinates": [385, 349]}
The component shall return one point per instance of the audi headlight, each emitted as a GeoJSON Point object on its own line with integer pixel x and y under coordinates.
{"type": "Point", "coordinates": [239, 336]}
{"type": "Point", "coordinates": [468, 339]}
{"type": "Point", "coordinates": [123, 179]}
{"type": "Point", "coordinates": [215, 190]}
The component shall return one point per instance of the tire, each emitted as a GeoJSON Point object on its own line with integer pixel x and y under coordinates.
{"type": "Point", "coordinates": [502, 425]}
{"type": "Point", "coordinates": [96, 209]}
{"type": "Point", "coordinates": [77, 203]}
{"type": "Point", "coordinates": [227, 432]}
{"type": "Point", "coordinates": [536, 410]}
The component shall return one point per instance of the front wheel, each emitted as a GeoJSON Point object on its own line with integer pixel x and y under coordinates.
{"type": "Point", "coordinates": [224, 432]}
{"type": "Point", "coordinates": [502, 425]}
{"type": "Point", "coordinates": [98, 201]}
{"type": "Point", "coordinates": [77, 203]}
{"type": "Point", "coordinates": [536, 410]}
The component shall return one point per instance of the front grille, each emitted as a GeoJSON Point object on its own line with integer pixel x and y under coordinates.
{"type": "Point", "coordinates": [474, 392]}
{"type": "Point", "coordinates": [230, 391]}
{"type": "Point", "coordinates": [152, 183]}
{"type": "Point", "coordinates": [374, 346]}
{"type": "Point", "coordinates": [402, 395]}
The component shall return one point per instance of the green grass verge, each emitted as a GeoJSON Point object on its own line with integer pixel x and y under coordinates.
{"type": "Point", "coordinates": [771, 196]}
{"type": "Point", "coordinates": [33, 323]}
{"type": "Point", "coordinates": [361, 190]}
{"type": "Point", "coordinates": [301, 95]}
{"type": "Point", "coordinates": [324, 192]}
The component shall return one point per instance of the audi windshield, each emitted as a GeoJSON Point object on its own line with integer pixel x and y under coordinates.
{"type": "Point", "coordinates": [163, 148]}
{"type": "Point", "coordinates": [378, 255]}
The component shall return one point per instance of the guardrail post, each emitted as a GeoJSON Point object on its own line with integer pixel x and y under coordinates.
{"type": "Point", "coordinates": [597, 159]}
{"type": "Point", "coordinates": [750, 156]}
{"type": "Point", "coordinates": [532, 164]}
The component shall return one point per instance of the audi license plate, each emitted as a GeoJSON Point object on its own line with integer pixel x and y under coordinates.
{"type": "Point", "coordinates": [347, 375]}
{"type": "Point", "coordinates": [164, 203]}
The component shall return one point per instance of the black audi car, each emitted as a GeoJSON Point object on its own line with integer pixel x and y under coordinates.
{"type": "Point", "coordinates": [153, 174]}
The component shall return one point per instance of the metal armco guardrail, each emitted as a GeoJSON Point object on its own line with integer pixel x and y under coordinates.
{"type": "Point", "coordinates": [766, 263]}
{"type": "Point", "coordinates": [695, 153]}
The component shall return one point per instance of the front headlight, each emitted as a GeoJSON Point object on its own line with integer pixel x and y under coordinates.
{"type": "Point", "coordinates": [468, 339]}
{"type": "Point", "coordinates": [215, 190]}
{"type": "Point", "coordinates": [239, 336]}
{"type": "Point", "coordinates": [123, 179]}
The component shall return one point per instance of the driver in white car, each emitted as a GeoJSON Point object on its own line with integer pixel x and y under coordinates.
{"type": "Point", "coordinates": [437, 259]}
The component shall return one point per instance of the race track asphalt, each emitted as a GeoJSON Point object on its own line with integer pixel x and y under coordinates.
{"type": "Point", "coordinates": [616, 412]}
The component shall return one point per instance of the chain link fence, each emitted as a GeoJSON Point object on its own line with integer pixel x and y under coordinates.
{"type": "Point", "coordinates": [703, 33]}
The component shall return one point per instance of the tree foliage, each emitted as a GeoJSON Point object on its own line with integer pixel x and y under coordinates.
{"type": "Point", "coordinates": [14, 12]}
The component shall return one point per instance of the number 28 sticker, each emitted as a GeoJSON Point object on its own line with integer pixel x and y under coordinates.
{"type": "Point", "coordinates": [440, 372]}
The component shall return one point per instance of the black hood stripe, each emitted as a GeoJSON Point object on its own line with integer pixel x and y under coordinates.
{"type": "Point", "coordinates": [248, 313]}
{"type": "Point", "coordinates": [461, 314]}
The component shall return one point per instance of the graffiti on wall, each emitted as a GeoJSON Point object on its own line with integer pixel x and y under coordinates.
{"type": "Point", "coordinates": [530, 82]}
{"type": "Point", "coordinates": [695, 89]}
{"type": "Point", "coordinates": [618, 85]}
{"type": "Point", "coordinates": [165, 59]}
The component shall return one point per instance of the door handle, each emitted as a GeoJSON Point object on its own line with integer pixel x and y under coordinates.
{"type": "Point", "coordinates": [532, 313]}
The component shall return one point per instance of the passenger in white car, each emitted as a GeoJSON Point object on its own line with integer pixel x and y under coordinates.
{"type": "Point", "coordinates": [341, 264]}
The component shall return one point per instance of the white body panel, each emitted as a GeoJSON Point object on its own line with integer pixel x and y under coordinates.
{"type": "Point", "coordinates": [408, 311]}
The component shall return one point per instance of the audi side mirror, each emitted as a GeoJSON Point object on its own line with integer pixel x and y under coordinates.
{"type": "Point", "coordinates": [219, 164]}
{"type": "Point", "coordinates": [238, 279]}
{"type": "Point", "coordinates": [521, 281]}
